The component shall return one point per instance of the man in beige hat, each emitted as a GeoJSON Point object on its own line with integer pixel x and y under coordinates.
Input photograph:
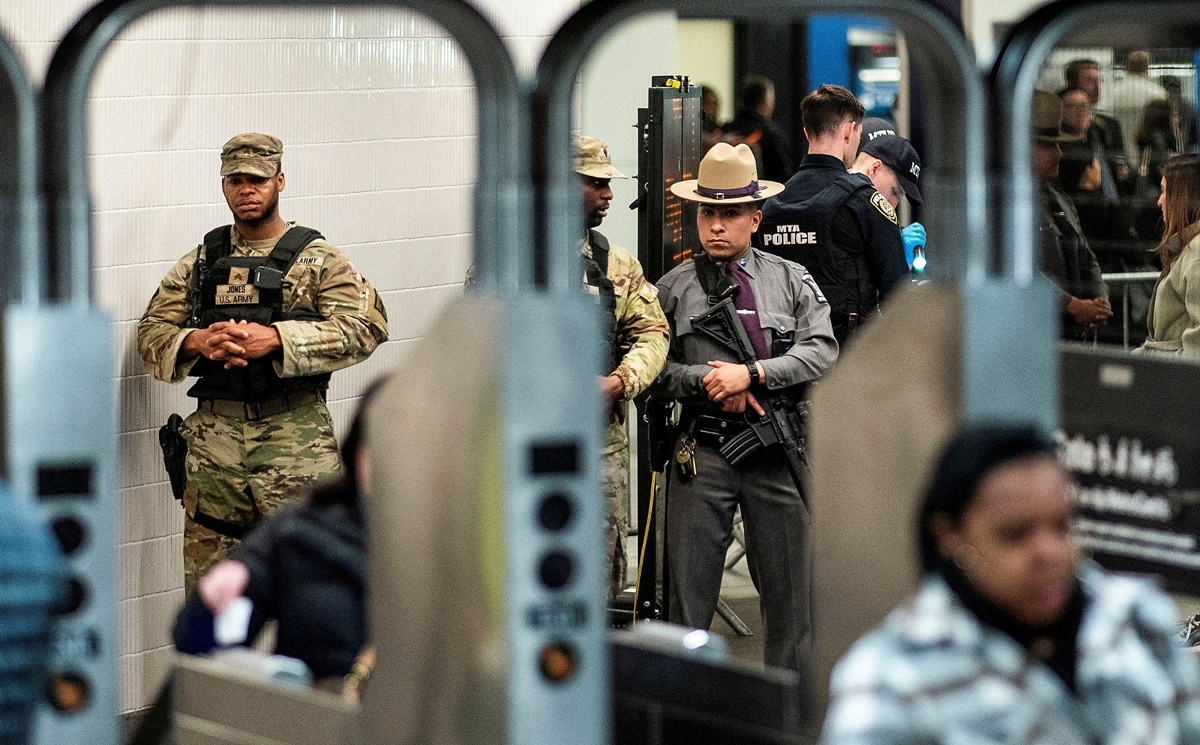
{"type": "Point", "coordinates": [786, 320]}
{"type": "Point", "coordinates": [636, 339]}
{"type": "Point", "coordinates": [261, 313]}
{"type": "Point", "coordinates": [1066, 259]}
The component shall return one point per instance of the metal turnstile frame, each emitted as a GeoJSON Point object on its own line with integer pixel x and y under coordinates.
{"type": "Point", "coordinates": [502, 146]}
{"type": "Point", "coordinates": [960, 115]}
{"type": "Point", "coordinates": [1033, 376]}
{"type": "Point", "coordinates": [960, 231]}
{"type": "Point", "coordinates": [60, 275]}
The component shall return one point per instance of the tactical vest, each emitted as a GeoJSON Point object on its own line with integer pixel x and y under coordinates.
{"type": "Point", "coordinates": [596, 275]}
{"type": "Point", "coordinates": [803, 232]}
{"type": "Point", "coordinates": [247, 288]}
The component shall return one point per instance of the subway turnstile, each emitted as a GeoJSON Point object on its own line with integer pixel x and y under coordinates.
{"type": "Point", "coordinates": [485, 531]}
{"type": "Point", "coordinates": [62, 412]}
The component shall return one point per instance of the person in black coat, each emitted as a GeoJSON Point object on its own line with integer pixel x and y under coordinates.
{"type": "Point", "coordinates": [303, 567]}
{"type": "Point", "coordinates": [753, 125]}
{"type": "Point", "coordinates": [1066, 257]}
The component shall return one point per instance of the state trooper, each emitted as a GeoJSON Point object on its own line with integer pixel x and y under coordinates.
{"type": "Point", "coordinates": [636, 339]}
{"type": "Point", "coordinates": [261, 312]}
{"type": "Point", "coordinates": [835, 223]}
{"type": "Point", "coordinates": [786, 320]}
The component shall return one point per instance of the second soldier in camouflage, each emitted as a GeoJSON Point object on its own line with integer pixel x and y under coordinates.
{"type": "Point", "coordinates": [636, 339]}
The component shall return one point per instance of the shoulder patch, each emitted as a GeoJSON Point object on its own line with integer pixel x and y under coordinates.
{"type": "Point", "coordinates": [881, 204]}
{"type": "Point", "coordinates": [812, 285]}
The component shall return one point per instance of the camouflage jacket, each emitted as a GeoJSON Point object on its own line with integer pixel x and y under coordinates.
{"type": "Point", "coordinates": [321, 280]}
{"type": "Point", "coordinates": [643, 335]}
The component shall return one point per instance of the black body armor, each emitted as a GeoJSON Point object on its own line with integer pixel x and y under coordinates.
{"type": "Point", "coordinates": [246, 288]}
{"type": "Point", "coordinates": [802, 232]}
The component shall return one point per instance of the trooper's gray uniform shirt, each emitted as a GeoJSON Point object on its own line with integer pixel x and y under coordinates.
{"type": "Point", "coordinates": [700, 510]}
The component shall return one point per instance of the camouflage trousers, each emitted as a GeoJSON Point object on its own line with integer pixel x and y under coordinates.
{"type": "Point", "coordinates": [240, 470]}
{"type": "Point", "coordinates": [616, 514]}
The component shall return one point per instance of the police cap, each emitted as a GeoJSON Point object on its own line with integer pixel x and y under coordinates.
{"type": "Point", "coordinates": [880, 140]}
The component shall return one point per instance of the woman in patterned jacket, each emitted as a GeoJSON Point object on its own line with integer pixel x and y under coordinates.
{"type": "Point", "coordinates": [1012, 639]}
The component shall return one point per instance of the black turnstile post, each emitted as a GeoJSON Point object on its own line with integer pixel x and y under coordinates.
{"type": "Point", "coordinates": [670, 151]}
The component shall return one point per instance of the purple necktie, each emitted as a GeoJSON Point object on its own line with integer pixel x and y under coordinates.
{"type": "Point", "coordinates": [748, 310]}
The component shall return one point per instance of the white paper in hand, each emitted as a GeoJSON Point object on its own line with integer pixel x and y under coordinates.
{"type": "Point", "coordinates": [231, 626]}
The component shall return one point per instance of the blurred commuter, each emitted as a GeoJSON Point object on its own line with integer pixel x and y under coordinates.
{"type": "Point", "coordinates": [1082, 171]}
{"type": "Point", "coordinates": [1173, 321]}
{"type": "Point", "coordinates": [303, 567]}
{"type": "Point", "coordinates": [636, 340]}
{"type": "Point", "coordinates": [752, 124]}
{"type": "Point", "coordinates": [32, 583]}
{"type": "Point", "coordinates": [1186, 112]}
{"type": "Point", "coordinates": [1066, 257]}
{"type": "Point", "coordinates": [786, 320]}
{"type": "Point", "coordinates": [710, 110]}
{"type": "Point", "coordinates": [892, 164]}
{"type": "Point", "coordinates": [1011, 638]}
{"type": "Point", "coordinates": [1085, 75]}
{"type": "Point", "coordinates": [262, 313]}
{"type": "Point", "coordinates": [1157, 140]}
{"type": "Point", "coordinates": [835, 223]}
{"type": "Point", "coordinates": [1130, 95]}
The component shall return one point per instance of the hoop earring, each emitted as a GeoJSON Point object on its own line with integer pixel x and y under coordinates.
{"type": "Point", "coordinates": [968, 561]}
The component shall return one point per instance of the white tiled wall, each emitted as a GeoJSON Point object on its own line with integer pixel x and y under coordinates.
{"type": "Point", "coordinates": [377, 112]}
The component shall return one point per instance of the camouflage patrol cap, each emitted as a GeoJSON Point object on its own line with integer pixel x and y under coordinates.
{"type": "Point", "coordinates": [253, 154]}
{"type": "Point", "coordinates": [592, 158]}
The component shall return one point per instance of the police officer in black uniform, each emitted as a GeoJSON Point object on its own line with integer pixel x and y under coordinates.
{"type": "Point", "coordinates": [833, 222]}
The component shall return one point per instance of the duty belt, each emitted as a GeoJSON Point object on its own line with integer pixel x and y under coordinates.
{"type": "Point", "coordinates": [252, 410]}
{"type": "Point", "coordinates": [714, 428]}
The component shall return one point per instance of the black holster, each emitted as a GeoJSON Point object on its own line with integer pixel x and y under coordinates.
{"type": "Point", "coordinates": [174, 449]}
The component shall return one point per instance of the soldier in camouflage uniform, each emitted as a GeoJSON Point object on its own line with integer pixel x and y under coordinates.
{"type": "Point", "coordinates": [261, 312]}
{"type": "Point", "coordinates": [637, 339]}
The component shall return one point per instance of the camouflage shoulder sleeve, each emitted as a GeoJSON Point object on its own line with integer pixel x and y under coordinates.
{"type": "Point", "coordinates": [348, 319]}
{"type": "Point", "coordinates": [160, 332]}
{"type": "Point", "coordinates": [643, 333]}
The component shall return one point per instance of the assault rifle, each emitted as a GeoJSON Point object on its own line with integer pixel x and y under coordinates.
{"type": "Point", "coordinates": [782, 423]}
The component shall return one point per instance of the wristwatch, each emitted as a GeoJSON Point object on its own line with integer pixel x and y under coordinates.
{"type": "Point", "coordinates": [753, 368]}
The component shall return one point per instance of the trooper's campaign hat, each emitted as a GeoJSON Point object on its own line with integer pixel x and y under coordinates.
{"type": "Point", "coordinates": [727, 175]}
{"type": "Point", "coordinates": [879, 140]}
{"type": "Point", "coordinates": [253, 154]}
{"type": "Point", "coordinates": [592, 158]}
{"type": "Point", "coordinates": [1047, 117]}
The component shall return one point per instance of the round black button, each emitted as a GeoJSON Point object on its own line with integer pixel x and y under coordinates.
{"type": "Point", "coordinates": [73, 599]}
{"type": "Point", "coordinates": [555, 512]}
{"type": "Point", "coordinates": [556, 569]}
{"type": "Point", "coordinates": [70, 534]}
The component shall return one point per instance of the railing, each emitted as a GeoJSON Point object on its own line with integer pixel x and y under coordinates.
{"type": "Point", "coordinates": [1125, 279]}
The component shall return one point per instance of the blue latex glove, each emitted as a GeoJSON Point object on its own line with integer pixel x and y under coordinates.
{"type": "Point", "coordinates": [913, 235]}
